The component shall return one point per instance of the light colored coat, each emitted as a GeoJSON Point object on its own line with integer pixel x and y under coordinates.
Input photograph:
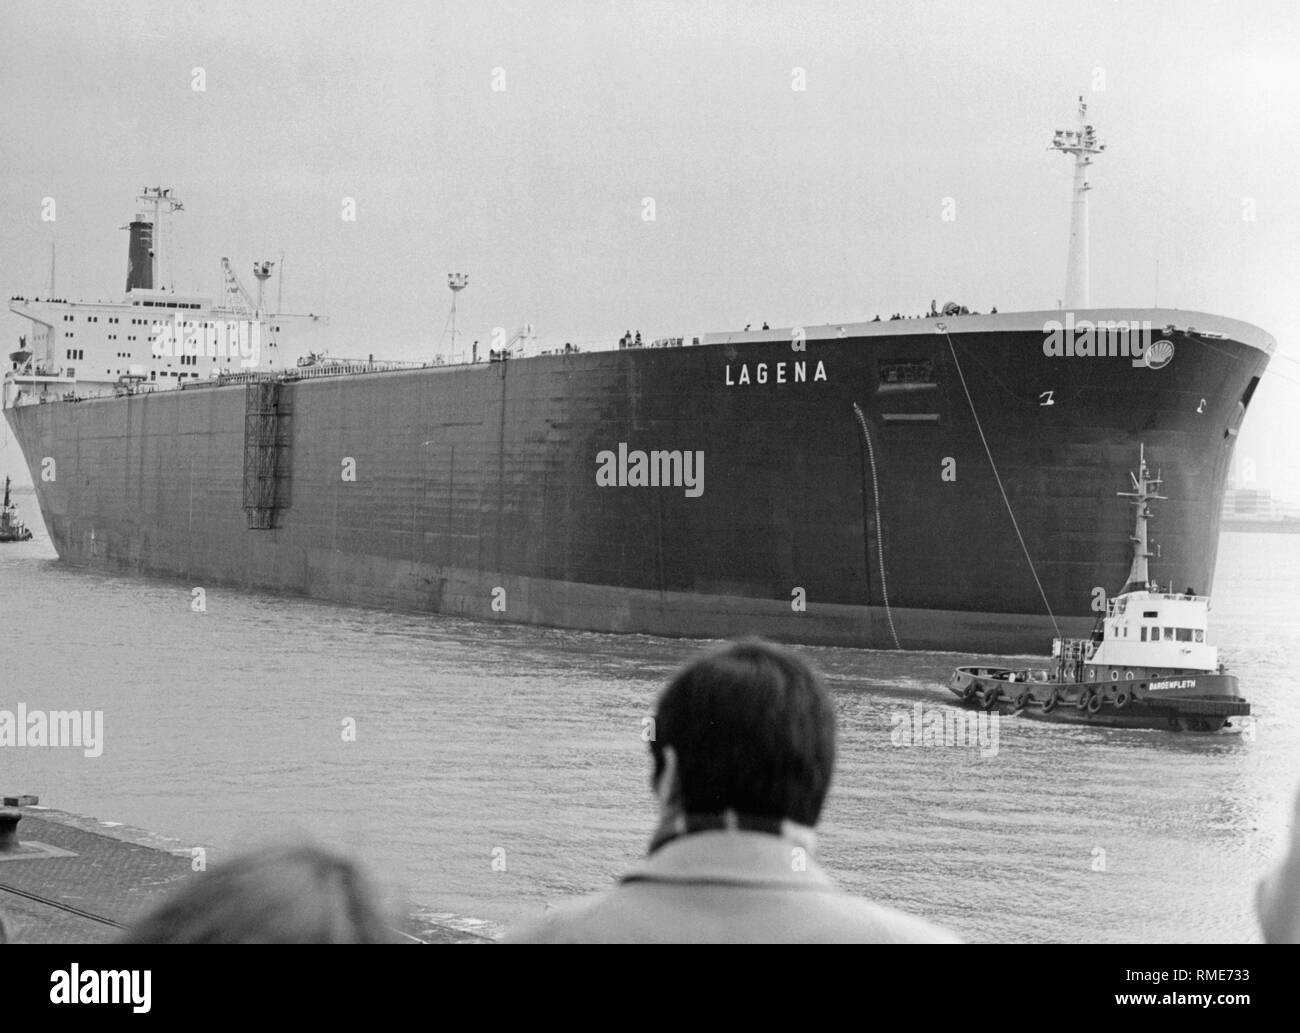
{"type": "Point", "coordinates": [727, 887]}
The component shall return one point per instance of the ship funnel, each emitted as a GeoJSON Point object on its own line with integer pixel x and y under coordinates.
{"type": "Point", "coordinates": [139, 256]}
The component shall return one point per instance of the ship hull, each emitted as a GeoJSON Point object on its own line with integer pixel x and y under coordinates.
{"type": "Point", "coordinates": [844, 491]}
{"type": "Point", "coordinates": [1192, 701]}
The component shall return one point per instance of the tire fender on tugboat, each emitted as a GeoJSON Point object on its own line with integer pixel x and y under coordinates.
{"type": "Point", "coordinates": [1053, 698]}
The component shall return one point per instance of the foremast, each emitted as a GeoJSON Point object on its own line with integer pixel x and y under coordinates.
{"type": "Point", "coordinates": [1081, 144]}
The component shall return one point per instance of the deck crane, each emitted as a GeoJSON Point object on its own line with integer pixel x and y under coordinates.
{"type": "Point", "coordinates": [236, 297]}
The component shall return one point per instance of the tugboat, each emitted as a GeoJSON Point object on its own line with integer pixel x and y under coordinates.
{"type": "Point", "coordinates": [11, 528]}
{"type": "Point", "coordinates": [1147, 665]}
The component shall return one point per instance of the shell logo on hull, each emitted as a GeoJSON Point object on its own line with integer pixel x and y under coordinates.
{"type": "Point", "coordinates": [1159, 355]}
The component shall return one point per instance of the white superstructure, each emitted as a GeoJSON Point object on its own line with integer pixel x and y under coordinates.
{"type": "Point", "coordinates": [155, 338]}
{"type": "Point", "coordinates": [1157, 630]}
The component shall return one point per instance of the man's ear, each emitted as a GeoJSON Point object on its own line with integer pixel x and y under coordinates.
{"type": "Point", "coordinates": [667, 787]}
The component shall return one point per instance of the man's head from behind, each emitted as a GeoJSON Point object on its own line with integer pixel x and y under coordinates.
{"type": "Point", "coordinates": [749, 728]}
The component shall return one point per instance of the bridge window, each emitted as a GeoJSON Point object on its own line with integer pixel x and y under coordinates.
{"type": "Point", "coordinates": [1169, 634]}
{"type": "Point", "coordinates": [1200, 635]}
{"type": "Point", "coordinates": [1184, 634]}
{"type": "Point", "coordinates": [1144, 632]}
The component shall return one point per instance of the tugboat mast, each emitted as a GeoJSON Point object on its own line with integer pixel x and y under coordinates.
{"type": "Point", "coordinates": [1139, 578]}
{"type": "Point", "coordinates": [1082, 143]}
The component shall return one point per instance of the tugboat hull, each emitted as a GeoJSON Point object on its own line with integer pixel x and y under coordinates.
{"type": "Point", "coordinates": [1188, 701]}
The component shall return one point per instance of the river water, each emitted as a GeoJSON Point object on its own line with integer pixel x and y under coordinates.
{"type": "Point", "coordinates": [496, 767]}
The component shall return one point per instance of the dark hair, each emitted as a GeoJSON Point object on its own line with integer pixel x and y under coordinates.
{"type": "Point", "coordinates": [280, 894]}
{"type": "Point", "coordinates": [753, 727]}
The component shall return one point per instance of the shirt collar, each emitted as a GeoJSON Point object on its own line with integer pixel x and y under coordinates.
{"type": "Point", "coordinates": [732, 849]}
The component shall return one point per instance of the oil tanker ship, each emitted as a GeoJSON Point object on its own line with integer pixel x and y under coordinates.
{"type": "Point", "coordinates": [932, 483]}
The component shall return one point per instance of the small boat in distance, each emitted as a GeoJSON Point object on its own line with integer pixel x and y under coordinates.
{"type": "Point", "coordinates": [1147, 665]}
{"type": "Point", "coordinates": [11, 528]}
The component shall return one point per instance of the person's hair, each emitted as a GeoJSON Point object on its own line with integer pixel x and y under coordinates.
{"type": "Point", "coordinates": [279, 894]}
{"type": "Point", "coordinates": [753, 727]}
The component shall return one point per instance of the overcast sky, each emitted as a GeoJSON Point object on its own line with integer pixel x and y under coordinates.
{"type": "Point", "coordinates": [791, 206]}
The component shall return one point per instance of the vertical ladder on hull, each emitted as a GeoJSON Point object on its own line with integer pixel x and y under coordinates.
{"type": "Point", "coordinates": [266, 453]}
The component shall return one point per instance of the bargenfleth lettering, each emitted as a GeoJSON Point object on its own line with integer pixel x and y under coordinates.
{"type": "Point", "coordinates": [789, 372]}
{"type": "Point", "coordinates": [655, 469]}
{"type": "Point", "coordinates": [234, 338]}
{"type": "Point", "coordinates": [63, 729]}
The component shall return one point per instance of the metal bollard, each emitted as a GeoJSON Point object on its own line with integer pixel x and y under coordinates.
{"type": "Point", "coordinates": [9, 830]}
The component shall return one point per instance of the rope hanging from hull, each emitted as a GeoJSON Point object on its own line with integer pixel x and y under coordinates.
{"type": "Point", "coordinates": [880, 538]}
{"type": "Point", "coordinates": [989, 452]}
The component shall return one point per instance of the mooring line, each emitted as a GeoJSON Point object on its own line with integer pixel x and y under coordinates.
{"type": "Point", "coordinates": [37, 898]}
{"type": "Point", "coordinates": [989, 452]}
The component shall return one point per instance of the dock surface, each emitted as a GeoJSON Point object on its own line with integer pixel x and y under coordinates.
{"type": "Point", "coordinates": [75, 879]}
